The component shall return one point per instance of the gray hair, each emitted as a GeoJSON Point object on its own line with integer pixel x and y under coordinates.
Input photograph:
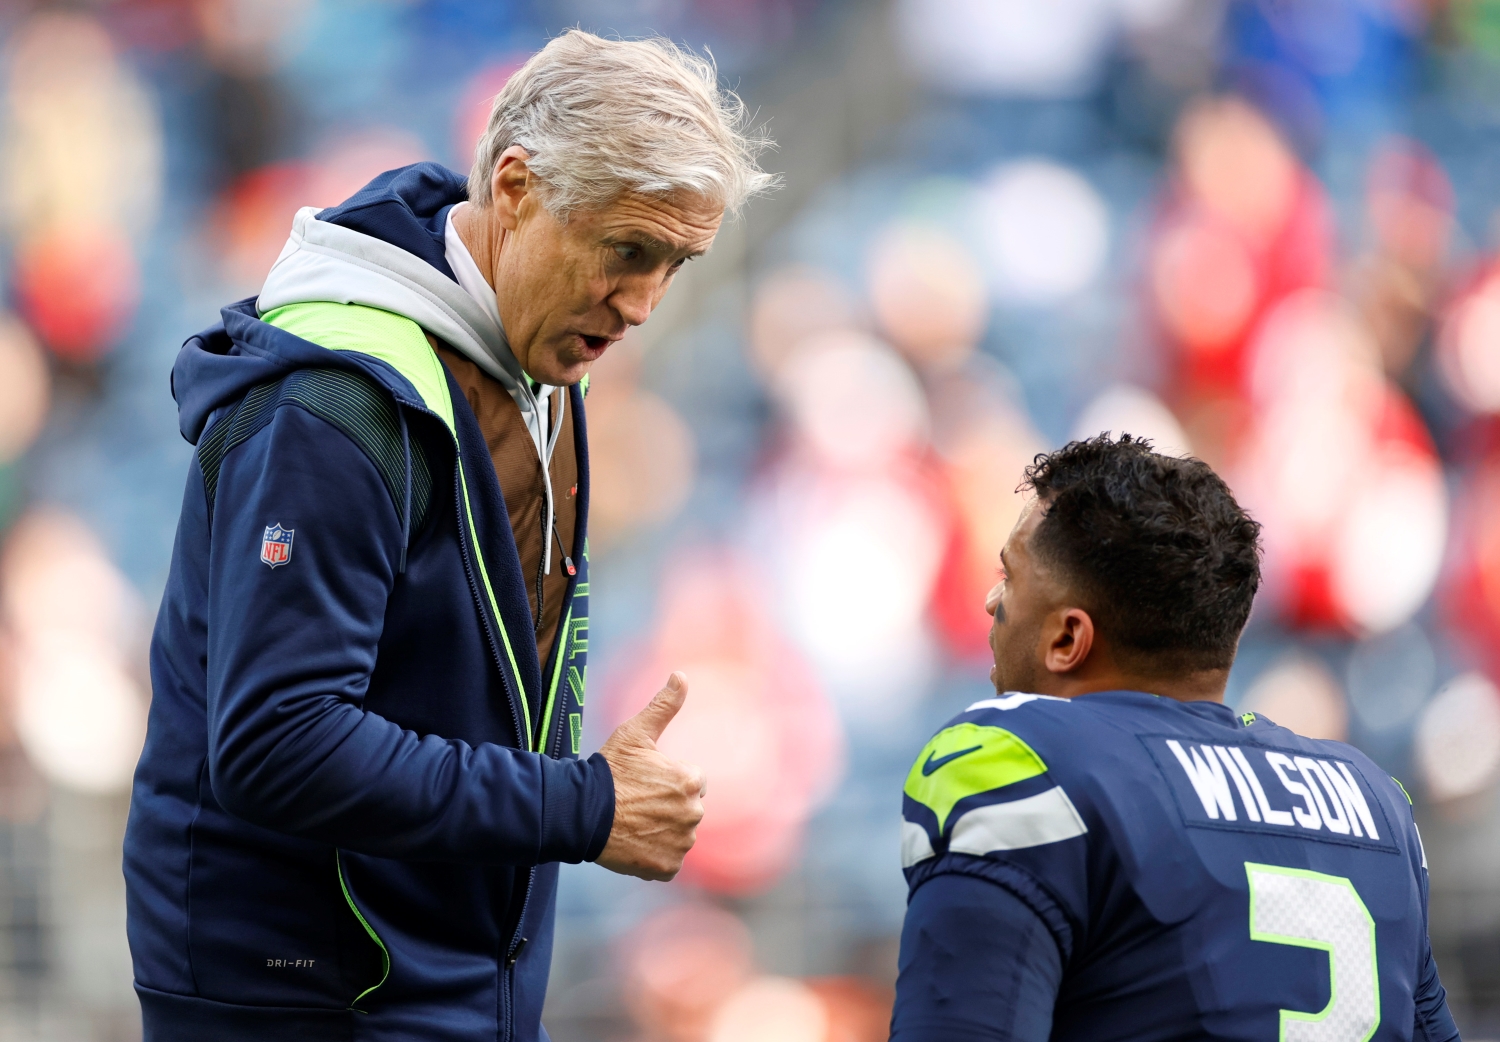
{"type": "Point", "coordinates": [604, 117]}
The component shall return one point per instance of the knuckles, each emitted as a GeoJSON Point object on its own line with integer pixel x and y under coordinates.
{"type": "Point", "coordinates": [689, 779]}
{"type": "Point", "coordinates": [665, 870]}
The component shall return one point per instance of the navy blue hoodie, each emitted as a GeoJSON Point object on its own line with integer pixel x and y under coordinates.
{"type": "Point", "coordinates": [337, 830]}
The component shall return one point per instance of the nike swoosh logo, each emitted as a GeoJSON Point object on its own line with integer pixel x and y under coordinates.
{"type": "Point", "coordinates": [933, 765]}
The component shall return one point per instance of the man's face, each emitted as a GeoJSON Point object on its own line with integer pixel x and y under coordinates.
{"type": "Point", "coordinates": [1020, 602]}
{"type": "Point", "coordinates": [567, 290]}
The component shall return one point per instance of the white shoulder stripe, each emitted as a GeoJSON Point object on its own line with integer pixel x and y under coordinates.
{"type": "Point", "coordinates": [1010, 700]}
{"type": "Point", "coordinates": [1047, 817]}
{"type": "Point", "coordinates": [915, 846]}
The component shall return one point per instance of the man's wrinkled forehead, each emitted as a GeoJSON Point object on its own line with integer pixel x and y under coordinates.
{"type": "Point", "coordinates": [683, 226]}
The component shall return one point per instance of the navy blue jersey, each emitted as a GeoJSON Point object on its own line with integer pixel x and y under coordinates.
{"type": "Point", "coordinates": [1159, 870]}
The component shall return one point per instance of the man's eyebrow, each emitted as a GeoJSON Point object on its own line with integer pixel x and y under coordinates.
{"type": "Point", "coordinates": [651, 242]}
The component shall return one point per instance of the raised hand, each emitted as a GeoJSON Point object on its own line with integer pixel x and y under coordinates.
{"type": "Point", "coordinates": [658, 801]}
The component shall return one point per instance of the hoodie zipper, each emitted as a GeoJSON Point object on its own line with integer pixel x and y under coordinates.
{"type": "Point", "coordinates": [516, 941]}
{"type": "Point", "coordinates": [560, 694]}
{"type": "Point", "coordinates": [560, 651]}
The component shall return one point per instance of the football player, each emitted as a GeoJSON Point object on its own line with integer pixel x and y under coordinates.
{"type": "Point", "coordinates": [1105, 850]}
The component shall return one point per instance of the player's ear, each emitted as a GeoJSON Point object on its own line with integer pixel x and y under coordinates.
{"type": "Point", "coordinates": [1070, 640]}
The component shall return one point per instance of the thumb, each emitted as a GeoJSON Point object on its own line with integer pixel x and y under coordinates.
{"type": "Point", "coordinates": [653, 720]}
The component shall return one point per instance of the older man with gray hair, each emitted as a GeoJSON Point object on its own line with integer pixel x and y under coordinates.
{"type": "Point", "coordinates": [368, 670]}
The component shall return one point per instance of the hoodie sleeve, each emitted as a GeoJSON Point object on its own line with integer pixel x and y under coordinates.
{"type": "Point", "coordinates": [291, 649]}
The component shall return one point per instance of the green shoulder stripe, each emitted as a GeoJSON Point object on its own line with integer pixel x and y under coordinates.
{"type": "Point", "coordinates": [965, 760]}
{"type": "Point", "coordinates": [393, 339]}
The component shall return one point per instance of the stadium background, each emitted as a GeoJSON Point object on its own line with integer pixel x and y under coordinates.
{"type": "Point", "coordinates": [1263, 232]}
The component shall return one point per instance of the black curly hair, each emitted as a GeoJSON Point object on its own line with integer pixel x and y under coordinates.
{"type": "Point", "coordinates": [1160, 554]}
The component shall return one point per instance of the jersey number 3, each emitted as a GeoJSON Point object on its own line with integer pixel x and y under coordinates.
{"type": "Point", "coordinates": [1311, 910]}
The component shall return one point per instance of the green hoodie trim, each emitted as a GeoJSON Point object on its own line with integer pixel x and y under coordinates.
{"type": "Point", "coordinates": [560, 652]}
{"type": "Point", "coordinates": [385, 955]}
{"type": "Point", "coordinates": [394, 339]}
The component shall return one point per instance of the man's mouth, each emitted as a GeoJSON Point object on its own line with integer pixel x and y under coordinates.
{"type": "Point", "coordinates": [594, 343]}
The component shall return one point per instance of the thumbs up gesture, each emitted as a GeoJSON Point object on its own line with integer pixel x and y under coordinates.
{"type": "Point", "coordinates": [658, 802]}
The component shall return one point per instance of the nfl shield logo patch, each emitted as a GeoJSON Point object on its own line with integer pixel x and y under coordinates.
{"type": "Point", "coordinates": [276, 546]}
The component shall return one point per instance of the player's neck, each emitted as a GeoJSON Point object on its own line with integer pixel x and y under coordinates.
{"type": "Point", "coordinates": [1206, 685]}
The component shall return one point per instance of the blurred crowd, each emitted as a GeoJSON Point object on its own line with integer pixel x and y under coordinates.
{"type": "Point", "coordinates": [1264, 233]}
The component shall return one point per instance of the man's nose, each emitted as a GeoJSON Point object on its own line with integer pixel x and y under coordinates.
{"type": "Point", "coordinates": [634, 299]}
{"type": "Point", "coordinates": [992, 599]}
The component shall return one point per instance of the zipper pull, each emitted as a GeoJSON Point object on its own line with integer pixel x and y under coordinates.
{"type": "Point", "coordinates": [567, 561]}
{"type": "Point", "coordinates": [515, 953]}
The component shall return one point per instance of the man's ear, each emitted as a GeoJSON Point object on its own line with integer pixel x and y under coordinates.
{"type": "Point", "coordinates": [1070, 637]}
{"type": "Point", "coordinates": [510, 184]}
